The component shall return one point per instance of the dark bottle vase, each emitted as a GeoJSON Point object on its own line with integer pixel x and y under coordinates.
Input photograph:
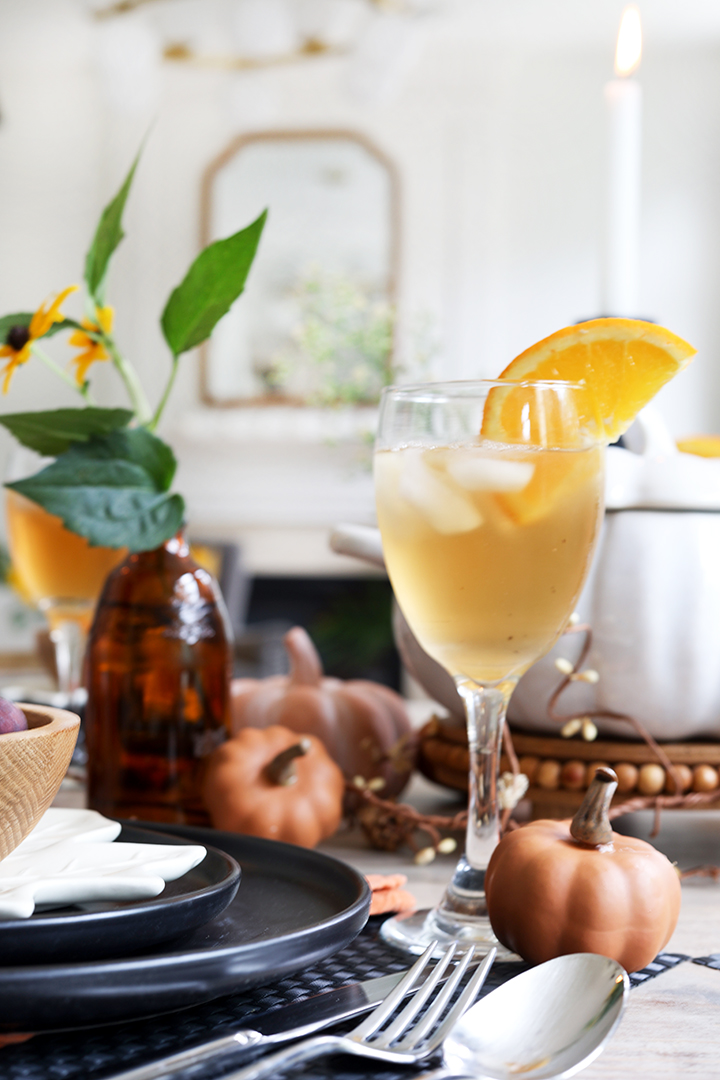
{"type": "Point", "coordinates": [159, 663]}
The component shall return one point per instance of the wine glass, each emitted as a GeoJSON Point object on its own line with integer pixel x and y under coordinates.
{"type": "Point", "coordinates": [56, 570]}
{"type": "Point", "coordinates": [489, 501]}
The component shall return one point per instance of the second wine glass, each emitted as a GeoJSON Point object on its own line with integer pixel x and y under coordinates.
{"type": "Point", "coordinates": [489, 500]}
{"type": "Point", "coordinates": [56, 570]}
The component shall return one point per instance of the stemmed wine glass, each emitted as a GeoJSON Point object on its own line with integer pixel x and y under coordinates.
{"type": "Point", "coordinates": [56, 570]}
{"type": "Point", "coordinates": [489, 500]}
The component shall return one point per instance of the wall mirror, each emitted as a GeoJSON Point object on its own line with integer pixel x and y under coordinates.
{"type": "Point", "coordinates": [315, 324]}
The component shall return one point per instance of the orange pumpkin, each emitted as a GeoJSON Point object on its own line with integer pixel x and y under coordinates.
{"type": "Point", "coordinates": [364, 726]}
{"type": "Point", "coordinates": [556, 887]}
{"type": "Point", "coordinates": [270, 783]}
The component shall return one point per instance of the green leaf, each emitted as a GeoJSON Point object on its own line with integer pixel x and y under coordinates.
{"type": "Point", "coordinates": [137, 447]}
{"type": "Point", "coordinates": [112, 490]}
{"type": "Point", "coordinates": [53, 431]}
{"type": "Point", "coordinates": [108, 235]}
{"type": "Point", "coordinates": [210, 287]}
{"type": "Point", "coordinates": [156, 455]}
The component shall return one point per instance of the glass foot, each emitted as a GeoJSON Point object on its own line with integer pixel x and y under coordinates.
{"type": "Point", "coordinates": [414, 932]}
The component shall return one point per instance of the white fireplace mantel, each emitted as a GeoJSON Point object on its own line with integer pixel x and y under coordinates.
{"type": "Point", "coordinates": [276, 480]}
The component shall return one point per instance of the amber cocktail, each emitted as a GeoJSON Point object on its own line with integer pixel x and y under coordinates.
{"type": "Point", "coordinates": [61, 574]}
{"type": "Point", "coordinates": [489, 547]}
{"type": "Point", "coordinates": [487, 542]}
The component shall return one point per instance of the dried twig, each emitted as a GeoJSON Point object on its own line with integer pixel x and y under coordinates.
{"type": "Point", "coordinates": [654, 802]}
{"type": "Point", "coordinates": [701, 871]}
{"type": "Point", "coordinates": [608, 714]}
{"type": "Point", "coordinates": [389, 824]}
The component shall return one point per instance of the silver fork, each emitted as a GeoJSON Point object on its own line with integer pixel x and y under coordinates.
{"type": "Point", "coordinates": [401, 1042]}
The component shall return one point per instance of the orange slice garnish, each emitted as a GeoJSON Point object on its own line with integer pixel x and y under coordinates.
{"type": "Point", "coordinates": [623, 363]}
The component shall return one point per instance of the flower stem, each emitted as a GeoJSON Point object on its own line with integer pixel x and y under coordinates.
{"type": "Point", "coordinates": [83, 390]}
{"type": "Point", "coordinates": [138, 400]}
{"type": "Point", "coordinates": [166, 394]}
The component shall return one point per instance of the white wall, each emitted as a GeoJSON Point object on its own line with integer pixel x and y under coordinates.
{"type": "Point", "coordinates": [495, 121]}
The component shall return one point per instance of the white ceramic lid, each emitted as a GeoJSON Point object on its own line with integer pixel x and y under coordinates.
{"type": "Point", "coordinates": [652, 474]}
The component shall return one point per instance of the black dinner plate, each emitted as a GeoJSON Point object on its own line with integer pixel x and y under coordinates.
{"type": "Point", "coordinates": [294, 907]}
{"type": "Point", "coordinates": [112, 928]}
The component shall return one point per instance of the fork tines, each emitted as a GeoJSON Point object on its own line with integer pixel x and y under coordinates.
{"type": "Point", "coordinates": [428, 1033]}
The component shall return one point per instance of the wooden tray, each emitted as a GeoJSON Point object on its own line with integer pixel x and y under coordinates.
{"type": "Point", "coordinates": [443, 758]}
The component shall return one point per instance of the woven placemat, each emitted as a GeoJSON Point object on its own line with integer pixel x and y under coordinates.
{"type": "Point", "coordinates": [711, 961]}
{"type": "Point", "coordinates": [102, 1051]}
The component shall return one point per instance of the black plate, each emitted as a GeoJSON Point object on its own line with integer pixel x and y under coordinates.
{"type": "Point", "coordinates": [294, 907]}
{"type": "Point", "coordinates": [107, 928]}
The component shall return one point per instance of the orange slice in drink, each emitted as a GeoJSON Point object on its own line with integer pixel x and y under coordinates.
{"type": "Point", "coordinates": [557, 477]}
{"type": "Point", "coordinates": [622, 364]}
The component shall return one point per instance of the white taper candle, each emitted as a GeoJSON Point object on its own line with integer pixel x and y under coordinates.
{"type": "Point", "coordinates": [623, 97]}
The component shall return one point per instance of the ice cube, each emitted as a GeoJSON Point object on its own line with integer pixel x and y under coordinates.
{"type": "Point", "coordinates": [402, 517]}
{"type": "Point", "coordinates": [446, 510]}
{"type": "Point", "coordinates": [479, 472]}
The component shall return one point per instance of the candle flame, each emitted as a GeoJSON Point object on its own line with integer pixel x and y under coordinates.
{"type": "Point", "coordinates": [629, 42]}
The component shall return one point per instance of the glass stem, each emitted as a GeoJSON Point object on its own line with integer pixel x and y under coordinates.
{"type": "Point", "coordinates": [485, 709]}
{"type": "Point", "coordinates": [68, 639]}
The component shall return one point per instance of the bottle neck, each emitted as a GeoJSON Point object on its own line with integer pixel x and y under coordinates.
{"type": "Point", "coordinates": [177, 544]}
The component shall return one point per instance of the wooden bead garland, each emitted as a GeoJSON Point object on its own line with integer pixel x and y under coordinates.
{"type": "Point", "coordinates": [705, 778]}
{"type": "Point", "coordinates": [651, 779]}
{"type": "Point", "coordinates": [564, 768]}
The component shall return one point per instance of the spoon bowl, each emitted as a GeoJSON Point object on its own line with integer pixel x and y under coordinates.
{"type": "Point", "coordinates": [550, 1021]}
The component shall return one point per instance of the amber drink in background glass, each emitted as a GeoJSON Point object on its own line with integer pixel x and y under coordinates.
{"type": "Point", "coordinates": [489, 499]}
{"type": "Point", "coordinates": [57, 571]}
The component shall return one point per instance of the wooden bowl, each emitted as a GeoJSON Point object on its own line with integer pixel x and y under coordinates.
{"type": "Point", "coordinates": [32, 766]}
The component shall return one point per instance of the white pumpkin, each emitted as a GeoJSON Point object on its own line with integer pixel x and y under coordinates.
{"type": "Point", "coordinates": [652, 601]}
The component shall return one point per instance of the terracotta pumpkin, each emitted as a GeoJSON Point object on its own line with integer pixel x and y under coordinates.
{"type": "Point", "coordinates": [556, 887]}
{"type": "Point", "coordinates": [364, 726]}
{"type": "Point", "coordinates": [272, 784]}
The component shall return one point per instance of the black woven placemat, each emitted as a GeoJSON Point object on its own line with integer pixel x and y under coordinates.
{"type": "Point", "coordinates": [711, 961]}
{"type": "Point", "coordinates": [662, 962]}
{"type": "Point", "coordinates": [99, 1052]}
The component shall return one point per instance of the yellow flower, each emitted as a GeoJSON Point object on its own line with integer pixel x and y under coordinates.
{"type": "Point", "coordinates": [91, 350]}
{"type": "Point", "coordinates": [18, 343]}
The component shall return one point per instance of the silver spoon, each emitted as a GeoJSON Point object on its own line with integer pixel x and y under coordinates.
{"type": "Point", "coordinates": [550, 1021]}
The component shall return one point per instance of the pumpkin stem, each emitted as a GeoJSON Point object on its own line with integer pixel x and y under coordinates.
{"type": "Point", "coordinates": [281, 770]}
{"type": "Point", "coordinates": [591, 824]}
{"type": "Point", "coordinates": [305, 666]}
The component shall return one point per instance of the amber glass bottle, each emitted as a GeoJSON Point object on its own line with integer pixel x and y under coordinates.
{"type": "Point", "coordinates": [159, 662]}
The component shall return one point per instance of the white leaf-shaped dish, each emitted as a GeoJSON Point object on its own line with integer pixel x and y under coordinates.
{"type": "Point", "coordinates": [69, 858]}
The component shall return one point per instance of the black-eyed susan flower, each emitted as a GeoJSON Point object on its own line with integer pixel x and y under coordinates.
{"type": "Point", "coordinates": [91, 348]}
{"type": "Point", "coordinates": [20, 338]}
